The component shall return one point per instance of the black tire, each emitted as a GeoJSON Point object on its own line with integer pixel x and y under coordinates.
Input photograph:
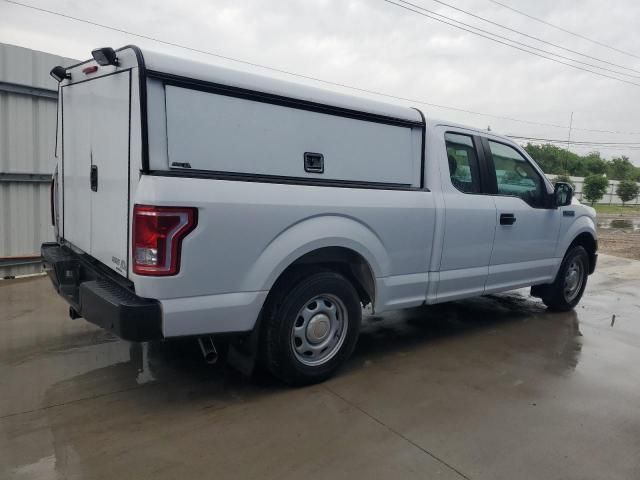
{"type": "Point", "coordinates": [557, 296]}
{"type": "Point", "coordinates": [280, 349]}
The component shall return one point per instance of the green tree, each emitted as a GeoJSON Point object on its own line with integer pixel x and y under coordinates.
{"type": "Point", "coordinates": [549, 157]}
{"type": "Point", "coordinates": [565, 179]}
{"type": "Point", "coordinates": [627, 190]}
{"type": "Point", "coordinates": [557, 161]}
{"type": "Point", "coordinates": [620, 168]}
{"type": "Point", "coordinates": [596, 165]}
{"type": "Point", "coordinates": [560, 161]}
{"type": "Point", "coordinates": [594, 188]}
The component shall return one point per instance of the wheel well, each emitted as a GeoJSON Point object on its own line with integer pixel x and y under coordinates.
{"type": "Point", "coordinates": [338, 259]}
{"type": "Point", "coordinates": [586, 240]}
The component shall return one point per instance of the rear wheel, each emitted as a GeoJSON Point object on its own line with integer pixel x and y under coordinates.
{"type": "Point", "coordinates": [312, 327]}
{"type": "Point", "coordinates": [567, 289]}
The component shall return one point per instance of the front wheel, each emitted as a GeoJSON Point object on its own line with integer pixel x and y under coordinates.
{"type": "Point", "coordinates": [567, 289]}
{"type": "Point", "coordinates": [312, 328]}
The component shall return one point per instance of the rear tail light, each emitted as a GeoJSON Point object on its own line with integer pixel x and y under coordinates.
{"type": "Point", "coordinates": [157, 238]}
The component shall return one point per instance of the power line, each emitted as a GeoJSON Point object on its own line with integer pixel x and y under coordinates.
{"type": "Point", "coordinates": [308, 77]}
{"type": "Point", "coordinates": [637, 144]}
{"type": "Point", "coordinates": [587, 148]}
{"type": "Point", "coordinates": [564, 29]}
{"type": "Point", "coordinates": [590, 148]}
{"type": "Point", "coordinates": [595, 130]}
{"type": "Point", "coordinates": [512, 41]}
{"type": "Point", "coordinates": [583, 145]}
{"type": "Point", "coordinates": [531, 36]}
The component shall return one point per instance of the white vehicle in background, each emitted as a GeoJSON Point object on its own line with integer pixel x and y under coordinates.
{"type": "Point", "coordinates": [193, 200]}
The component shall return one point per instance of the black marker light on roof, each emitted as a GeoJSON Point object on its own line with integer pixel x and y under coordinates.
{"type": "Point", "coordinates": [105, 56]}
{"type": "Point", "coordinates": [59, 73]}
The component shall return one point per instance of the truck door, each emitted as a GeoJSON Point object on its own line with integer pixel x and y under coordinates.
{"type": "Point", "coordinates": [95, 167]}
{"type": "Point", "coordinates": [470, 218]}
{"type": "Point", "coordinates": [527, 227]}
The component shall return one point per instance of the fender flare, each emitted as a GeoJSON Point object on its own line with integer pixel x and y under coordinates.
{"type": "Point", "coordinates": [581, 225]}
{"type": "Point", "coordinates": [311, 234]}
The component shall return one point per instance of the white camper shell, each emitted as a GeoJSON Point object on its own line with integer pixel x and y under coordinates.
{"type": "Point", "coordinates": [195, 200]}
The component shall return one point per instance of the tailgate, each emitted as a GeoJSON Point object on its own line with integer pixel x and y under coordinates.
{"type": "Point", "coordinates": [95, 167]}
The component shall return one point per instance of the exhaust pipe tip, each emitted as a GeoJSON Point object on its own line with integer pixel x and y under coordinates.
{"type": "Point", "coordinates": [73, 313]}
{"type": "Point", "coordinates": [208, 349]}
{"type": "Point", "coordinates": [211, 358]}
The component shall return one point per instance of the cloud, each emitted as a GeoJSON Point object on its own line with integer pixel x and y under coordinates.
{"type": "Point", "coordinates": [375, 45]}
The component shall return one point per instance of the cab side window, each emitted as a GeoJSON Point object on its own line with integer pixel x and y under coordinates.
{"type": "Point", "coordinates": [463, 162]}
{"type": "Point", "coordinates": [516, 176]}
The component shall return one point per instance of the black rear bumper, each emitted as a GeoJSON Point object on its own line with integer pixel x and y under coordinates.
{"type": "Point", "coordinates": [97, 296]}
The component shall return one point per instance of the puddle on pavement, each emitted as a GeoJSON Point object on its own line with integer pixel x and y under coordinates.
{"type": "Point", "coordinates": [620, 223]}
{"type": "Point", "coordinates": [525, 329]}
{"type": "Point", "coordinates": [87, 369]}
{"type": "Point", "coordinates": [45, 467]}
{"type": "Point", "coordinates": [495, 354]}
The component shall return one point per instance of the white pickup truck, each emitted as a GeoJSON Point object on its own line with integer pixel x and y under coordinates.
{"type": "Point", "coordinates": [194, 200]}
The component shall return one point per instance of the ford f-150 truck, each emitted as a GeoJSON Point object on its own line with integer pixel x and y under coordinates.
{"type": "Point", "coordinates": [195, 200]}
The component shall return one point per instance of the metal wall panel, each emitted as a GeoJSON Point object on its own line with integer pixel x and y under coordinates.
{"type": "Point", "coordinates": [27, 141]}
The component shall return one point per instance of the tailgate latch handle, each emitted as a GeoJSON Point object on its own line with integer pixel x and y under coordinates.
{"type": "Point", "coordinates": [313, 162]}
{"type": "Point", "coordinates": [93, 177]}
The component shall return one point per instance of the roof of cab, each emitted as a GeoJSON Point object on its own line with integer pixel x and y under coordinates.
{"type": "Point", "coordinates": [206, 72]}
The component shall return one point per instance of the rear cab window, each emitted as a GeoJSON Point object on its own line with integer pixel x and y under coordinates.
{"type": "Point", "coordinates": [463, 162]}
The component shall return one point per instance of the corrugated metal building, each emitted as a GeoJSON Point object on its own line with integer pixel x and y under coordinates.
{"type": "Point", "coordinates": [28, 97]}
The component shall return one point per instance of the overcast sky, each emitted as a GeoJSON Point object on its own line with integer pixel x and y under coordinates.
{"type": "Point", "coordinates": [374, 45]}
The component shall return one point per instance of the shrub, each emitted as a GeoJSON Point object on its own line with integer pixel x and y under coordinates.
{"type": "Point", "coordinates": [627, 190]}
{"type": "Point", "coordinates": [594, 188]}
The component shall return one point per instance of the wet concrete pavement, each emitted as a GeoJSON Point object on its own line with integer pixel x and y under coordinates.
{"type": "Point", "coordinates": [489, 388]}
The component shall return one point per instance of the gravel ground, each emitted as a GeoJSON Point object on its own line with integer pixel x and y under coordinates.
{"type": "Point", "coordinates": [619, 235]}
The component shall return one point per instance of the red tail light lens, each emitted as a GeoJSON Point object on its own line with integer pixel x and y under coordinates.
{"type": "Point", "coordinates": [157, 238]}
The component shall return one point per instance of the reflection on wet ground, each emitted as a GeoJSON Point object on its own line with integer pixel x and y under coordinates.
{"type": "Point", "coordinates": [492, 387]}
{"type": "Point", "coordinates": [619, 235]}
{"type": "Point", "coordinates": [620, 223]}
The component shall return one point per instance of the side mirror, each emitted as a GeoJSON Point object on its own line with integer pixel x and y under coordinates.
{"type": "Point", "coordinates": [562, 194]}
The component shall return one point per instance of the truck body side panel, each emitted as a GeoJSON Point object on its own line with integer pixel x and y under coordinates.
{"type": "Point", "coordinates": [249, 232]}
{"type": "Point", "coordinates": [222, 133]}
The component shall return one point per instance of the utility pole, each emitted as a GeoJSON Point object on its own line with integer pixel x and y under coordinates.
{"type": "Point", "coordinates": [566, 165]}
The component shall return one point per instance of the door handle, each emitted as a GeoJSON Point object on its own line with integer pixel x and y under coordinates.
{"type": "Point", "coordinates": [507, 219]}
{"type": "Point", "coordinates": [93, 178]}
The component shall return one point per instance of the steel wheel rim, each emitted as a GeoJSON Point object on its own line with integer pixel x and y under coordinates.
{"type": "Point", "coordinates": [319, 330]}
{"type": "Point", "coordinates": [573, 279]}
